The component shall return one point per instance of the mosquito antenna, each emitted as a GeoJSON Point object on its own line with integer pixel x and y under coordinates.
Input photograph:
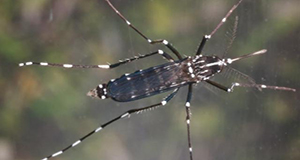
{"type": "Point", "coordinates": [232, 36]}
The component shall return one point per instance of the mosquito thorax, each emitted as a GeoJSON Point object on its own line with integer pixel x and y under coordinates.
{"type": "Point", "coordinates": [204, 67]}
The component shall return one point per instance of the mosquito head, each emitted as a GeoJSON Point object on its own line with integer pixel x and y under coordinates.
{"type": "Point", "coordinates": [92, 93]}
{"type": "Point", "coordinates": [230, 60]}
{"type": "Point", "coordinates": [99, 91]}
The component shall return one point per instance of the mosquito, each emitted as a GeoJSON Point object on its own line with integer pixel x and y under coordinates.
{"type": "Point", "coordinates": [171, 76]}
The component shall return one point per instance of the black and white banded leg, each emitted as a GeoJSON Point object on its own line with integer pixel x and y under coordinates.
{"type": "Point", "coordinates": [127, 114]}
{"type": "Point", "coordinates": [159, 41]}
{"type": "Point", "coordinates": [258, 86]}
{"type": "Point", "coordinates": [188, 119]}
{"type": "Point", "coordinates": [108, 66]}
{"type": "Point", "coordinates": [207, 37]}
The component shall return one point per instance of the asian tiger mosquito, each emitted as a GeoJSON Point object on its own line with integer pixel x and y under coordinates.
{"type": "Point", "coordinates": [162, 78]}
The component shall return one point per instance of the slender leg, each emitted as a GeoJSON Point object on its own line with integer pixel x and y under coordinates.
{"type": "Point", "coordinates": [121, 62]}
{"type": "Point", "coordinates": [207, 37]}
{"type": "Point", "coordinates": [258, 86]}
{"type": "Point", "coordinates": [188, 119]}
{"type": "Point", "coordinates": [124, 115]}
{"type": "Point", "coordinates": [160, 41]}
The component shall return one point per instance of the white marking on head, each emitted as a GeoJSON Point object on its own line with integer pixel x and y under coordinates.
{"type": "Point", "coordinates": [98, 129]}
{"type": "Point", "coordinates": [57, 153]}
{"type": "Point", "coordinates": [103, 66]}
{"type": "Point", "coordinates": [44, 64]}
{"type": "Point", "coordinates": [165, 42]}
{"type": "Point", "coordinates": [100, 86]}
{"type": "Point", "coordinates": [21, 64]}
{"type": "Point", "coordinates": [67, 65]}
{"type": "Point", "coordinates": [160, 52]}
{"type": "Point", "coordinates": [163, 102]}
{"type": "Point", "coordinates": [76, 143]}
{"type": "Point", "coordinates": [28, 63]}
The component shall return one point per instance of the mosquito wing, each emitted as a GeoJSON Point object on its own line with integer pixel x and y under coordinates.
{"type": "Point", "coordinates": [145, 83]}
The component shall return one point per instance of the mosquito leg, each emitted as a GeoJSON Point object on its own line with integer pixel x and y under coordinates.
{"type": "Point", "coordinates": [201, 46]}
{"type": "Point", "coordinates": [226, 89]}
{"type": "Point", "coordinates": [258, 86]}
{"type": "Point", "coordinates": [124, 115]}
{"type": "Point", "coordinates": [121, 62]}
{"type": "Point", "coordinates": [207, 37]}
{"type": "Point", "coordinates": [188, 119]}
{"type": "Point", "coordinates": [261, 86]}
{"type": "Point", "coordinates": [164, 42]}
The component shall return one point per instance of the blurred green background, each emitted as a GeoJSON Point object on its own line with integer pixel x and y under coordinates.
{"type": "Point", "coordinates": [42, 110]}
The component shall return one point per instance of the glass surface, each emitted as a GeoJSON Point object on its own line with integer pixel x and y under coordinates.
{"type": "Point", "coordinates": [44, 109]}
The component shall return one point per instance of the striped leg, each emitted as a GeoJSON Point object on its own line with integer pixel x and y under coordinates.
{"type": "Point", "coordinates": [207, 37]}
{"type": "Point", "coordinates": [188, 118]}
{"type": "Point", "coordinates": [124, 115]}
{"type": "Point", "coordinates": [160, 52]}
{"type": "Point", "coordinates": [258, 86]}
{"type": "Point", "coordinates": [160, 41]}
